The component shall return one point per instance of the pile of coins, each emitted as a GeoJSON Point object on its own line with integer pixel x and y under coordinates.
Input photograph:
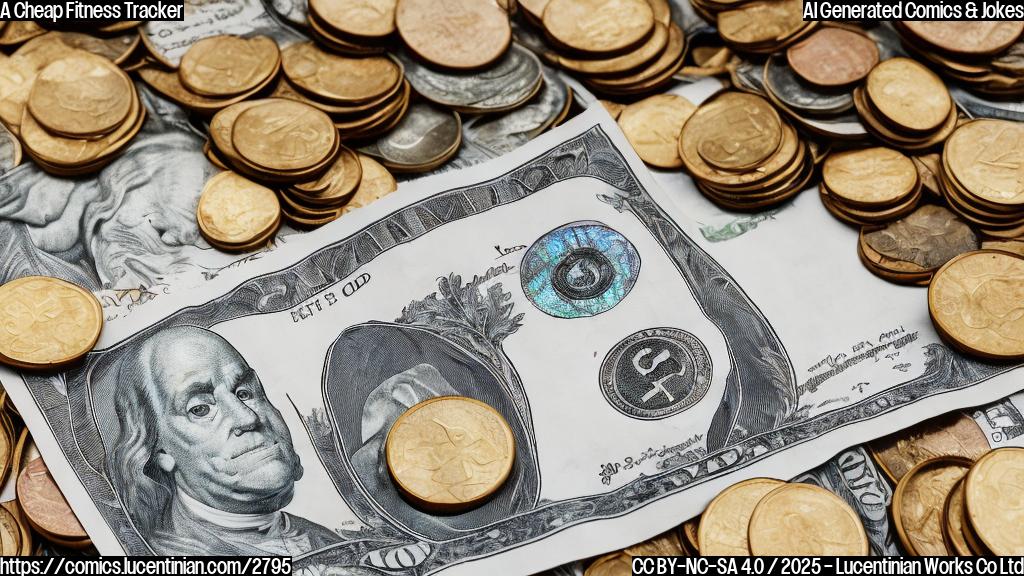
{"type": "Point", "coordinates": [354, 181]}
{"type": "Point", "coordinates": [351, 28]}
{"type": "Point", "coordinates": [985, 55]}
{"type": "Point", "coordinates": [905, 105]}
{"type": "Point", "coordinates": [217, 72]}
{"type": "Point", "coordinates": [758, 162]}
{"type": "Point", "coordinates": [868, 186]}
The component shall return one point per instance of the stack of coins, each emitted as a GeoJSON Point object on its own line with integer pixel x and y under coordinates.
{"type": "Point", "coordinates": [353, 28]}
{"type": "Point", "coordinates": [636, 51]}
{"type": "Point", "coordinates": [984, 55]}
{"type": "Point", "coordinates": [912, 249]}
{"type": "Point", "coordinates": [653, 125]}
{"type": "Point", "coordinates": [426, 138]}
{"type": "Point", "coordinates": [969, 299]}
{"type": "Point", "coordinates": [237, 215]}
{"type": "Point", "coordinates": [761, 27]}
{"type": "Point", "coordinates": [311, 204]}
{"type": "Point", "coordinates": [46, 510]}
{"type": "Point", "coordinates": [906, 105]}
{"type": "Point", "coordinates": [991, 516]}
{"type": "Point", "coordinates": [217, 72]}
{"type": "Point", "coordinates": [813, 82]}
{"type": "Point", "coordinates": [978, 182]}
{"type": "Point", "coordinates": [275, 140]}
{"type": "Point", "coordinates": [869, 186]}
{"type": "Point", "coordinates": [742, 154]}
{"type": "Point", "coordinates": [80, 112]}
{"type": "Point", "coordinates": [363, 95]}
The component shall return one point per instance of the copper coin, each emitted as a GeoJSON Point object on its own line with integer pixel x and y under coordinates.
{"type": "Point", "coordinates": [833, 57]}
{"type": "Point", "coordinates": [969, 37]}
{"type": "Point", "coordinates": [44, 505]}
{"type": "Point", "coordinates": [456, 34]}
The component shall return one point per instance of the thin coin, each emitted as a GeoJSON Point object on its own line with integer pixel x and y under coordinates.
{"type": "Point", "coordinates": [366, 18]}
{"type": "Point", "coordinates": [81, 95]}
{"type": "Point", "coordinates": [501, 133]}
{"type": "Point", "coordinates": [47, 322]}
{"type": "Point", "coordinates": [376, 183]}
{"type": "Point", "coordinates": [235, 210]}
{"type": "Point", "coordinates": [805, 520]}
{"type": "Point", "coordinates": [283, 135]}
{"type": "Point", "coordinates": [10, 534]}
{"type": "Point", "coordinates": [653, 125]}
{"type": "Point", "coordinates": [689, 531]}
{"type": "Point", "coordinates": [928, 238]}
{"type": "Point", "coordinates": [976, 300]}
{"type": "Point", "coordinates": [992, 498]}
{"type": "Point", "coordinates": [338, 183]}
{"type": "Point", "coordinates": [224, 66]}
{"type": "Point", "coordinates": [614, 564]}
{"type": "Point", "coordinates": [833, 57]}
{"type": "Point", "coordinates": [454, 34]}
{"type": "Point", "coordinates": [598, 26]}
{"type": "Point", "coordinates": [450, 453]}
{"type": "Point", "coordinates": [909, 95]}
{"type": "Point", "coordinates": [734, 131]}
{"type": "Point", "coordinates": [919, 500]}
{"type": "Point", "coordinates": [984, 156]}
{"type": "Point", "coordinates": [953, 521]}
{"type": "Point", "coordinates": [339, 79]}
{"type": "Point", "coordinates": [45, 506]}
{"type": "Point", "coordinates": [870, 177]}
{"type": "Point", "coordinates": [724, 523]}
{"type": "Point", "coordinates": [977, 37]}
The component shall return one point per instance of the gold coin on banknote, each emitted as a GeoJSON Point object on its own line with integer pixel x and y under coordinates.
{"type": "Point", "coordinates": [953, 521]}
{"type": "Point", "coordinates": [908, 94]}
{"type": "Point", "coordinates": [10, 534]}
{"type": "Point", "coordinates": [224, 66]}
{"type": "Point", "coordinates": [81, 95]}
{"type": "Point", "coordinates": [977, 37]}
{"type": "Point", "coordinates": [283, 135]}
{"type": "Point", "coordinates": [455, 34]}
{"type": "Point", "coordinates": [45, 507]}
{"type": "Point", "coordinates": [664, 544]}
{"type": "Point", "coordinates": [48, 323]}
{"type": "Point", "coordinates": [614, 564]}
{"type": "Point", "coordinates": [430, 447]}
{"type": "Point", "coordinates": [735, 131]}
{"type": "Point", "coordinates": [832, 57]}
{"type": "Point", "coordinates": [339, 79]}
{"type": "Point", "coordinates": [359, 18]}
{"type": "Point", "coordinates": [805, 520]}
{"type": "Point", "coordinates": [233, 210]}
{"type": "Point", "coordinates": [653, 125]}
{"type": "Point", "coordinates": [976, 301]}
{"type": "Point", "coordinates": [598, 26]}
{"type": "Point", "coordinates": [992, 496]}
{"type": "Point", "coordinates": [375, 184]}
{"type": "Point", "coordinates": [870, 177]}
{"type": "Point", "coordinates": [974, 156]}
{"type": "Point", "coordinates": [953, 434]}
{"type": "Point", "coordinates": [919, 500]}
{"type": "Point", "coordinates": [724, 523]}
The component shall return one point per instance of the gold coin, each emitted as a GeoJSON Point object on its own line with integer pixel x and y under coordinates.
{"type": "Point", "coordinates": [339, 79]}
{"type": "Point", "coordinates": [234, 210]}
{"type": "Point", "coordinates": [653, 125]}
{"type": "Point", "coordinates": [457, 34]}
{"type": "Point", "coordinates": [984, 157]}
{"type": "Point", "coordinates": [450, 453]}
{"type": "Point", "coordinates": [871, 177]}
{"type": "Point", "coordinates": [724, 523]}
{"type": "Point", "coordinates": [689, 530]}
{"type": "Point", "coordinates": [168, 83]}
{"type": "Point", "coordinates": [614, 564]}
{"type": "Point", "coordinates": [953, 521]}
{"type": "Point", "coordinates": [614, 108]}
{"type": "Point", "coordinates": [976, 301]}
{"type": "Point", "coordinates": [113, 48]}
{"type": "Point", "coordinates": [664, 544]}
{"type": "Point", "coordinates": [283, 135]}
{"type": "Point", "coordinates": [376, 183]}
{"type": "Point", "coordinates": [919, 500]}
{"type": "Point", "coordinates": [598, 26]}
{"type": "Point", "coordinates": [805, 520]}
{"type": "Point", "coordinates": [10, 534]}
{"type": "Point", "coordinates": [1015, 246]}
{"type": "Point", "coordinates": [967, 37]}
{"type": "Point", "coordinates": [651, 49]}
{"type": "Point", "coordinates": [992, 497]}
{"type": "Point", "coordinates": [736, 131]}
{"type": "Point", "coordinates": [909, 95]}
{"type": "Point", "coordinates": [224, 66]}
{"type": "Point", "coordinates": [338, 183]}
{"type": "Point", "coordinates": [923, 241]}
{"type": "Point", "coordinates": [81, 95]}
{"type": "Point", "coordinates": [47, 322]}
{"type": "Point", "coordinates": [761, 22]}
{"type": "Point", "coordinates": [367, 18]}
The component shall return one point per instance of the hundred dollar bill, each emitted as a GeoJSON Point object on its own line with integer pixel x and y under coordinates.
{"type": "Point", "coordinates": [641, 367]}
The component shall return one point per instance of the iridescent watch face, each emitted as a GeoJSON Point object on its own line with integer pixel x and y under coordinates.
{"type": "Point", "coordinates": [579, 270]}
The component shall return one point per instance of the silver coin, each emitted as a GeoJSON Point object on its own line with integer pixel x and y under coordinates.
{"type": "Point", "coordinates": [802, 97]}
{"type": "Point", "coordinates": [425, 135]}
{"type": "Point", "coordinates": [888, 41]}
{"type": "Point", "coordinates": [10, 150]}
{"type": "Point", "coordinates": [846, 126]}
{"type": "Point", "coordinates": [749, 77]}
{"type": "Point", "coordinates": [294, 11]}
{"type": "Point", "coordinates": [1012, 60]}
{"type": "Point", "coordinates": [506, 132]}
{"type": "Point", "coordinates": [978, 107]}
{"type": "Point", "coordinates": [513, 80]}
